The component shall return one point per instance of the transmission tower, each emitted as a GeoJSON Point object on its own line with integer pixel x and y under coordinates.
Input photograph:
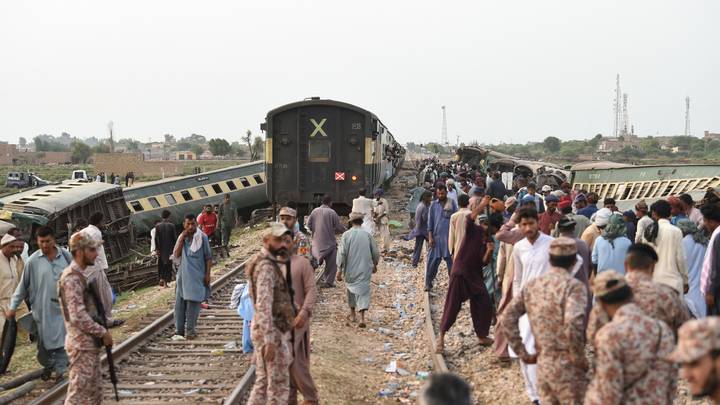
{"type": "Point", "coordinates": [626, 118]}
{"type": "Point", "coordinates": [112, 141]}
{"type": "Point", "coordinates": [687, 116]}
{"type": "Point", "coordinates": [616, 109]}
{"type": "Point", "coordinates": [444, 136]}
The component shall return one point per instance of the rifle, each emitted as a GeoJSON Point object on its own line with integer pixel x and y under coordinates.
{"type": "Point", "coordinates": [108, 349]}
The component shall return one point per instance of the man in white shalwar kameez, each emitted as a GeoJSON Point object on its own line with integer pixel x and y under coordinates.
{"type": "Point", "coordinates": [11, 268]}
{"type": "Point", "coordinates": [381, 211]}
{"type": "Point", "coordinates": [531, 258]}
{"type": "Point", "coordinates": [364, 206]}
{"type": "Point", "coordinates": [357, 259]}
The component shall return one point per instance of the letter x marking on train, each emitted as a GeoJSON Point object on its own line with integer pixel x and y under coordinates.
{"type": "Point", "coordinates": [318, 127]}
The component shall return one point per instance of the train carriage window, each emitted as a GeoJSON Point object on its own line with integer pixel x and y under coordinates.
{"type": "Point", "coordinates": [202, 191]}
{"type": "Point", "coordinates": [231, 185]}
{"type": "Point", "coordinates": [137, 207]}
{"type": "Point", "coordinates": [319, 150]}
{"type": "Point", "coordinates": [258, 179]}
{"type": "Point", "coordinates": [186, 195]}
{"type": "Point", "coordinates": [244, 181]}
{"type": "Point", "coordinates": [216, 188]}
{"type": "Point", "coordinates": [170, 199]}
{"type": "Point", "coordinates": [154, 202]}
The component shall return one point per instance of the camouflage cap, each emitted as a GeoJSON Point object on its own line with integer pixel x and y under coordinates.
{"type": "Point", "coordinates": [81, 240]}
{"type": "Point", "coordinates": [608, 281]}
{"type": "Point", "coordinates": [276, 229]}
{"type": "Point", "coordinates": [697, 338]}
{"type": "Point", "coordinates": [563, 246]}
{"type": "Point", "coordinates": [288, 211]}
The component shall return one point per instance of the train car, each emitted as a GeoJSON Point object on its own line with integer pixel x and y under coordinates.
{"type": "Point", "coordinates": [189, 194]}
{"type": "Point", "coordinates": [628, 184]}
{"type": "Point", "coordinates": [61, 205]}
{"type": "Point", "coordinates": [316, 147]}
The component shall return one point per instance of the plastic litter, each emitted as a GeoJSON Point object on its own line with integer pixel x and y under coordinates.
{"type": "Point", "coordinates": [125, 392]}
{"type": "Point", "coordinates": [392, 367]}
{"type": "Point", "coordinates": [217, 352]}
{"type": "Point", "coordinates": [231, 345]}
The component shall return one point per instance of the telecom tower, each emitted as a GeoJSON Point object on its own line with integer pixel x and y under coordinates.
{"type": "Point", "coordinates": [444, 136]}
{"type": "Point", "coordinates": [626, 118]}
{"type": "Point", "coordinates": [616, 109]}
{"type": "Point", "coordinates": [687, 116]}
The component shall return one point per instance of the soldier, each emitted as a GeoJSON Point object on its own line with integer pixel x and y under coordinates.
{"type": "Point", "coordinates": [631, 350]}
{"type": "Point", "coordinates": [555, 303]}
{"type": "Point", "coordinates": [698, 351]}
{"type": "Point", "coordinates": [228, 219]}
{"type": "Point", "coordinates": [79, 311]}
{"type": "Point", "coordinates": [301, 243]}
{"type": "Point", "coordinates": [271, 291]}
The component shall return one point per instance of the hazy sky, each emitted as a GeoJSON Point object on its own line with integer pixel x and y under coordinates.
{"type": "Point", "coordinates": [506, 70]}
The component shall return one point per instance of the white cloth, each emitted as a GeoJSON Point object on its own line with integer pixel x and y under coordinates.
{"type": "Point", "coordinates": [642, 224]}
{"type": "Point", "coordinates": [365, 206]}
{"type": "Point", "coordinates": [24, 255]}
{"type": "Point", "coordinates": [152, 241]}
{"type": "Point", "coordinates": [694, 256]}
{"type": "Point", "coordinates": [671, 269]}
{"type": "Point", "coordinates": [94, 232]}
{"type": "Point", "coordinates": [531, 261]}
{"type": "Point", "coordinates": [696, 216]}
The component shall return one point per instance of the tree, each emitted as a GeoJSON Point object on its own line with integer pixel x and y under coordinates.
{"type": "Point", "coordinates": [80, 152]}
{"type": "Point", "coordinates": [247, 138]}
{"type": "Point", "coordinates": [102, 147]}
{"type": "Point", "coordinates": [133, 146]}
{"type": "Point", "coordinates": [197, 149]}
{"type": "Point", "coordinates": [48, 143]}
{"type": "Point", "coordinates": [258, 148]}
{"type": "Point", "coordinates": [169, 138]}
{"type": "Point", "coordinates": [552, 144]}
{"type": "Point", "coordinates": [22, 141]}
{"type": "Point", "coordinates": [237, 149]}
{"type": "Point", "coordinates": [219, 147]}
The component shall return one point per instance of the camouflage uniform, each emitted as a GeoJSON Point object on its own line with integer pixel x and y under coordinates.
{"type": "Point", "coordinates": [656, 300]}
{"type": "Point", "coordinates": [78, 308]}
{"type": "Point", "coordinates": [303, 247]}
{"type": "Point", "coordinates": [631, 366]}
{"type": "Point", "coordinates": [271, 324]}
{"type": "Point", "coordinates": [555, 303]}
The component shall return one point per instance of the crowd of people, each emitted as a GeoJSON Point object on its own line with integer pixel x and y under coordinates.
{"type": "Point", "coordinates": [113, 178]}
{"type": "Point", "coordinates": [571, 278]}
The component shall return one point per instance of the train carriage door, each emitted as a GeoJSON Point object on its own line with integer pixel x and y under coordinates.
{"type": "Point", "coordinates": [285, 180]}
{"type": "Point", "coordinates": [351, 153]}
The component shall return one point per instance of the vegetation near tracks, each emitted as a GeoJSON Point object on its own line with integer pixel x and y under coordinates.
{"type": "Point", "coordinates": [57, 173]}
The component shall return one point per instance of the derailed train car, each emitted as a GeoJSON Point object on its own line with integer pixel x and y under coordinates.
{"type": "Point", "coordinates": [316, 147]}
{"type": "Point", "coordinates": [542, 172]}
{"type": "Point", "coordinates": [59, 206]}
{"type": "Point", "coordinates": [189, 194]}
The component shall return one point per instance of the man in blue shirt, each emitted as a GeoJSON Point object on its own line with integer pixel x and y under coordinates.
{"type": "Point", "coordinates": [193, 276]}
{"type": "Point", "coordinates": [591, 208]}
{"type": "Point", "coordinates": [438, 231]}
{"type": "Point", "coordinates": [38, 286]}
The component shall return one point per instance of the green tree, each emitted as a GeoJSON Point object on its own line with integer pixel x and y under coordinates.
{"type": "Point", "coordinates": [552, 144]}
{"type": "Point", "coordinates": [103, 147]}
{"type": "Point", "coordinates": [237, 149]}
{"type": "Point", "coordinates": [197, 149]}
{"type": "Point", "coordinates": [258, 148]}
{"type": "Point", "coordinates": [219, 147]}
{"type": "Point", "coordinates": [80, 152]}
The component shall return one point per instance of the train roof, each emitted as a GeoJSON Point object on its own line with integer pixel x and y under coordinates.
{"type": "Point", "coordinates": [594, 165]}
{"type": "Point", "coordinates": [325, 102]}
{"type": "Point", "coordinates": [190, 176]}
{"type": "Point", "coordinates": [56, 197]}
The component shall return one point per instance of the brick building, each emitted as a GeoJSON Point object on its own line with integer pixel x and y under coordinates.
{"type": "Point", "coordinates": [121, 163]}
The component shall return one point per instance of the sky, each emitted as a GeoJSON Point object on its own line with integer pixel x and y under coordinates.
{"type": "Point", "coordinates": [508, 71]}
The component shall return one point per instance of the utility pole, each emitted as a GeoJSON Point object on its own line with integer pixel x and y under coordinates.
{"type": "Point", "coordinates": [626, 118]}
{"type": "Point", "coordinates": [112, 141]}
{"type": "Point", "coordinates": [444, 135]}
{"type": "Point", "coordinates": [687, 116]}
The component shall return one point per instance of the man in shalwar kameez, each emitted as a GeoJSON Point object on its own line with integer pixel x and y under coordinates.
{"type": "Point", "coordinates": [380, 217]}
{"type": "Point", "coordinates": [364, 206]}
{"type": "Point", "coordinates": [438, 233]}
{"type": "Point", "coordinates": [531, 258]}
{"type": "Point", "coordinates": [357, 259]}
{"type": "Point", "coordinates": [11, 268]}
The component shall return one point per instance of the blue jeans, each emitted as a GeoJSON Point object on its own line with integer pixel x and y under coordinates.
{"type": "Point", "coordinates": [186, 316]}
{"type": "Point", "coordinates": [417, 252]}
{"type": "Point", "coordinates": [246, 341]}
{"type": "Point", "coordinates": [431, 269]}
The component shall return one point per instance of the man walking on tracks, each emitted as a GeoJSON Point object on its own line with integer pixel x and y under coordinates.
{"type": "Point", "coordinates": [271, 291]}
{"type": "Point", "coordinates": [38, 285]}
{"type": "Point", "coordinates": [466, 278]}
{"type": "Point", "coordinates": [324, 223]}
{"type": "Point", "coordinates": [165, 238]}
{"type": "Point", "coordinates": [193, 279]}
{"type": "Point", "coordinates": [555, 304]}
{"type": "Point", "coordinates": [631, 350]}
{"type": "Point", "coordinates": [438, 232]}
{"type": "Point", "coordinates": [380, 217]}
{"type": "Point", "coordinates": [80, 312]}
{"type": "Point", "coordinates": [305, 294]}
{"type": "Point", "coordinates": [228, 220]}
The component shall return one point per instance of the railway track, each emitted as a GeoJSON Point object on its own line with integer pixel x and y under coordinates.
{"type": "Point", "coordinates": [153, 369]}
{"type": "Point", "coordinates": [439, 363]}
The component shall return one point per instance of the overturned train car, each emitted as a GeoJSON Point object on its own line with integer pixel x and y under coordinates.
{"type": "Point", "coordinates": [189, 194]}
{"type": "Point", "coordinates": [60, 206]}
{"type": "Point", "coordinates": [541, 172]}
{"type": "Point", "coordinates": [316, 147]}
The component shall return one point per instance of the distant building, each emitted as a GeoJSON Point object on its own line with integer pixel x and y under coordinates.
{"type": "Point", "coordinates": [207, 155]}
{"type": "Point", "coordinates": [156, 151]}
{"type": "Point", "coordinates": [185, 155]}
{"type": "Point", "coordinates": [710, 136]}
{"type": "Point", "coordinates": [611, 144]}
